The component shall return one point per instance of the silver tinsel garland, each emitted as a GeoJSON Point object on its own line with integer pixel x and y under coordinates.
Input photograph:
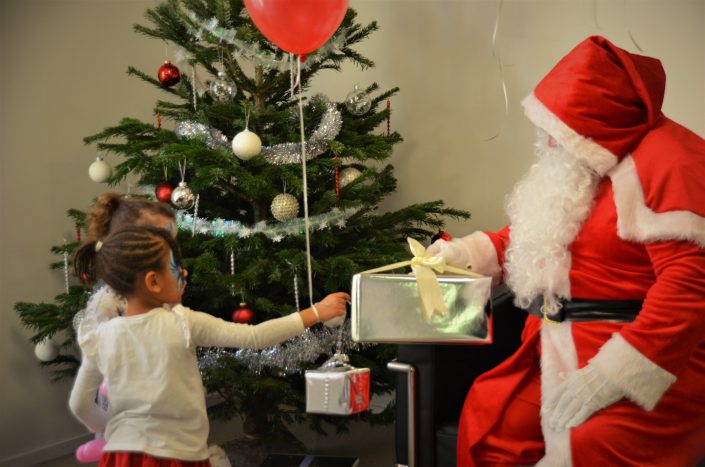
{"type": "Point", "coordinates": [317, 144]}
{"type": "Point", "coordinates": [276, 232]}
{"type": "Point", "coordinates": [278, 154]}
{"type": "Point", "coordinates": [290, 357]}
{"type": "Point", "coordinates": [190, 129]}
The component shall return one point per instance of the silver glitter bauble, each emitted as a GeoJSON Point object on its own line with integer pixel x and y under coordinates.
{"type": "Point", "coordinates": [284, 207]}
{"type": "Point", "coordinates": [222, 88]}
{"type": "Point", "coordinates": [246, 145]}
{"type": "Point", "coordinates": [100, 171]}
{"type": "Point", "coordinates": [357, 102]}
{"type": "Point", "coordinates": [348, 175]}
{"type": "Point", "coordinates": [182, 197]}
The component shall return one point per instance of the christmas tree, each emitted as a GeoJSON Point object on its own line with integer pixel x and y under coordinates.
{"type": "Point", "coordinates": [225, 149]}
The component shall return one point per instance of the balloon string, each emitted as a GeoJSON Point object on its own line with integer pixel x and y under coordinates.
{"type": "Point", "coordinates": [629, 32]}
{"type": "Point", "coordinates": [495, 53]}
{"type": "Point", "coordinates": [594, 14]}
{"type": "Point", "coordinates": [307, 224]}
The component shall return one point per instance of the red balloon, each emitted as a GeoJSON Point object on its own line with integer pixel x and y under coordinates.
{"type": "Point", "coordinates": [297, 26]}
{"type": "Point", "coordinates": [243, 314]}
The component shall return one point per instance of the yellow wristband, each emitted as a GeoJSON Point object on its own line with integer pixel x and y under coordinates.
{"type": "Point", "coordinates": [315, 312]}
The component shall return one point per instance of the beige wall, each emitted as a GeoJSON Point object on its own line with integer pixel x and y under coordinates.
{"type": "Point", "coordinates": [63, 78]}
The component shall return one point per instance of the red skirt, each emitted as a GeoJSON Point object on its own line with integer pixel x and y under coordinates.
{"type": "Point", "coordinates": [140, 459]}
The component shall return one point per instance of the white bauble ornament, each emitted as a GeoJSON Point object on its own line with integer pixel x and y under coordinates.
{"type": "Point", "coordinates": [46, 350]}
{"type": "Point", "coordinates": [100, 171]}
{"type": "Point", "coordinates": [348, 175]}
{"type": "Point", "coordinates": [246, 145]}
{"type": "Point", "coordinates": [357, 102]}
{"type": "Point", "coordinates": [182, 197]}
{"type": "Point", "coordinates": [222, 89]}
{"type": "Point", "coordinates": [284, 207]}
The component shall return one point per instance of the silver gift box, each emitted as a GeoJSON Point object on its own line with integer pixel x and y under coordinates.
{"type": "Point", "coordinates": [386, 308]}
{"type": "Point", "coordinates": [337, 391]}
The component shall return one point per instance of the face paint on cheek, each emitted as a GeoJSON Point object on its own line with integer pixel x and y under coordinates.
{"type": "Point", "coordinates": [176, 270]}
{"type": "Point", "coordinates": [171, 228]}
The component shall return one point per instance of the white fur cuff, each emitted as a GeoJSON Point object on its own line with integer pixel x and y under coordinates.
{"type": "Point", "coordinates": [642, 380]}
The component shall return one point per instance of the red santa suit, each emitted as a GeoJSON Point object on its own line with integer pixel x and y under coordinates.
{"type": "Point", "coordinates": [642, 238]}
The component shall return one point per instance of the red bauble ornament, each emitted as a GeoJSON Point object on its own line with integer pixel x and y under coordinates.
{"type": "Point", "coordinates": [442, 235]}
{"type": "Point", "coordinates": [163, 192]}
{"type": "Point", "coordinates": [243, 315]}
{"type": "Point", "coordinates": [168, 74]}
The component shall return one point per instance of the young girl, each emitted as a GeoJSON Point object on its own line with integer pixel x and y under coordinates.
{"type": "Point", "coordinates": [157, 414]}
{"type": "Point", "coordinates": [112, 212]}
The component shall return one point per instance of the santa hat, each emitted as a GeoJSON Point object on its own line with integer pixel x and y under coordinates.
{"type": "Point", "coordinates": [599, 101]}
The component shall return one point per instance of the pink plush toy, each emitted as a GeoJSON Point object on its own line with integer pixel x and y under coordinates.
{"type": "Point", "coordinates": [90, 451]}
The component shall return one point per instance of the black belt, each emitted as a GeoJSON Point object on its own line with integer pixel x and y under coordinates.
{"type": "Point", "coordinates": [579, 309]}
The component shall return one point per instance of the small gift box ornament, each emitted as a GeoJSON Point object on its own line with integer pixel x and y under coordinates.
{"type": "Point", "coordinates": [337, 388]}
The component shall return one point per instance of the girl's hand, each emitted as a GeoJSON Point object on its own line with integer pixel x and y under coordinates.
{"type": "Point", "coordinates": [333, 306]}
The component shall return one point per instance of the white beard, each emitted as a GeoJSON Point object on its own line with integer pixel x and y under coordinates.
{"type": "Point", "coordinates": [546, 210]}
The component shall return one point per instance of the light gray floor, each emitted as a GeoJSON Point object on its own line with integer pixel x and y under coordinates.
{"type": "Point", "coordinates": [374, 446]}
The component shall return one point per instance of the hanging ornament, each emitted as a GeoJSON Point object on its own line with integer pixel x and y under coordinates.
{"type": "Point", "coordinates": [358, 102]}
{"type": "Point", "coordinates": [163, 191]}
{"type": "Point", "coordinates": [168, 74]}
{"type": "Point", "coordinates": [441, 235]}
{"type": "Point", "coordinates": [246, 145]}
{"type": "Point", "coordinates": [100, 171]}
{"type": "Point", "coordinates": [389, 111]}
{"type": "Point", "coordinates": [222, 88]}
{"type": "Point", "coordinates": [337, 177]}
{"type": "Point", "coordinates": [348, 175]}
{"type": "Point", "coordinates": [284, 207]}
{"type": "Point", "coordinates": [46, 350]}
{"type": "Point", "coordinates": [243, 315]}
{"type": "Point", "coordinates": [182, 197]}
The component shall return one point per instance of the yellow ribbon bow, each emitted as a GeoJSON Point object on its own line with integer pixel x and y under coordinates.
{"type": "Point", "coordinates": [423, 268]}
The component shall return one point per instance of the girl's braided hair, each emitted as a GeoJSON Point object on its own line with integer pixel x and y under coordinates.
{"type": "Point", "coordinates": [113, 211]}
{"type": "Point", "coordinates": [124, 255]}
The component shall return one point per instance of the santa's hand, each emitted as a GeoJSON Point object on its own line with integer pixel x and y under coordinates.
{"type": "Point", "coordinates": [453, 252]}
{"type": "Point", "coordinates": [581, 394]}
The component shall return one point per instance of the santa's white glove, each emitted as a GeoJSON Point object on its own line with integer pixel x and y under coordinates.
{"type": "Point", "coordinates": [581, 394]}
{"type": "Point", "coordinates": [453, 252]}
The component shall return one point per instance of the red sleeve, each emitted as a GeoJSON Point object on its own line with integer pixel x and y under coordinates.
{"type": "Point", "coordinates": [671, 323]}
{"type": "Point", "coordinates": [500, 240]}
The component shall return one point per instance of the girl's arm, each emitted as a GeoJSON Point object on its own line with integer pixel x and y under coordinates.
{"type": "Point", "coordinates": [82, 398]}
{"type": "Point", "coordinates": [209, 331]}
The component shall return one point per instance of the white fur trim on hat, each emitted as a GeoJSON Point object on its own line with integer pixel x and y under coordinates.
{"type": "Point", "coordinates": [642, 380]}
{"type": "Point", "coordinates": [595, 156]}
{"type": "Point", "coordinates": [637, 222]}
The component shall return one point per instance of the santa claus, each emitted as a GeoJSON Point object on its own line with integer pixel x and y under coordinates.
{"type": "Point", "coordinates": [605, 251]}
